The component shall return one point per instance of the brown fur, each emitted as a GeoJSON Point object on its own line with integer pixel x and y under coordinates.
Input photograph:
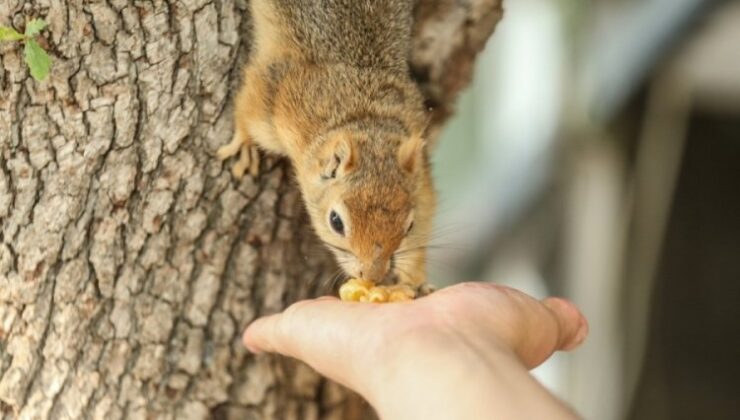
{"type": "Point", "coordinates": [328, 86]}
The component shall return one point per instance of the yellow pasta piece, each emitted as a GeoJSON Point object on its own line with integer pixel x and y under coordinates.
{"type": "Point", "coordinates": [400, 294]}
{"type": "Point", "coordinates": [360, 290]}
{"type": "Point", "coordinates": [378, 295]}
{"type": "Point", "coordinates": [355, 290]}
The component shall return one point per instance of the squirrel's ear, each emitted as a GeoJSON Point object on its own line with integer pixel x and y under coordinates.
{"type": "Point", "coordinates": [342, 158]}
{"type": "Point", "coordinates": [411, 153]}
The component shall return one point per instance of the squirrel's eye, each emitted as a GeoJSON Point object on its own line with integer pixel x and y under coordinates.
{"type": "Point", "coordinates": [411, 225]}
{"type": "Point", "coordinates": [336, 223]}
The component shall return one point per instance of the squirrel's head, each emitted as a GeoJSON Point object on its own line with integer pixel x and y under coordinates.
{"type": "Point", "coordinates": [365, 198]}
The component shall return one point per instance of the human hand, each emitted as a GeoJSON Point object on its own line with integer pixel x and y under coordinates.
{"type": "Point", "coordinates": [429, 345]}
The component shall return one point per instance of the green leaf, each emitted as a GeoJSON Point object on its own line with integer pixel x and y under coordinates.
{"type": "Point", "coordinates": [37, 59]}
{"type": "Point", "coordinates": [9, 34]}
{"type": "Point", "coordinates": [33, 27]}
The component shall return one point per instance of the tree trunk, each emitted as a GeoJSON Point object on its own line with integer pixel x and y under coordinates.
{"type": "Point", "coordinates": [130, 260]}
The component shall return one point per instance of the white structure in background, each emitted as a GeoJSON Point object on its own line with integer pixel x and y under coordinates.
{"type": "Point", "coordinates": [512, 113]}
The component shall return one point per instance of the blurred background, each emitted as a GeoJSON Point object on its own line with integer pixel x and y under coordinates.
{"type": "Point", "coordinates": [596, 156]}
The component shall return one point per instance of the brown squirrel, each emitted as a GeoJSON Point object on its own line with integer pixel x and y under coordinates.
{"type": "Point", "coordinates": [328, 85]}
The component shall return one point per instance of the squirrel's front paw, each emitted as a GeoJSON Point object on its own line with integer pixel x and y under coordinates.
{"type": "Point", "coordinates": [359, 290]}
{"type": "Point", "coordinates": [425, 289]}
{"type": "Point", "coordinates": [249, 159]}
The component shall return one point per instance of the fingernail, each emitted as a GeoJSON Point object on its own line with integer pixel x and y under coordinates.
{"type": "Point", "coordinates": [582, 332]}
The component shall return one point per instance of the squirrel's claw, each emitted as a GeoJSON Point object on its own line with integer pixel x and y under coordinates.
{"type": "Point", "coordinates": [225, 152]}
{"type": "Point", "coordinates": [248, 160]}
{"type": "Point", "coordinates": [254, 167]}
{"type": "Point", "coordinates": [248, 156]}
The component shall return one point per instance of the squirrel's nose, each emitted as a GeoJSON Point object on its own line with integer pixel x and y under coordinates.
{"type": "Point", "coordinates": [375, 270]}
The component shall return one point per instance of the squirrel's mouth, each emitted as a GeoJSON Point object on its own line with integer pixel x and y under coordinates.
{"type": "Point", "coordinates": [390, 279]}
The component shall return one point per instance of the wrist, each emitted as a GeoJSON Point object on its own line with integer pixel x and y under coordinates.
{"type": "Point", "coordinates": [443, 376]}
{"type": "Point", "coordinates": [431, 375]}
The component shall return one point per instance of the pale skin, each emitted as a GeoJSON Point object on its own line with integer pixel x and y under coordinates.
{"type": "Point", "coordinates": [463, 352]}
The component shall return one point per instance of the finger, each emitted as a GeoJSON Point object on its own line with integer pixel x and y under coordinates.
{"type": "Point", "coordinates": [302, 329]}
{"type": "Point", "coordinates": [324, 334]}
{"type": "Point", "coordinates": [573, 327]}
{"type": "Point", "coordinates": [258, 337]}
{"type": "Point", "coordinates": [329, 297]}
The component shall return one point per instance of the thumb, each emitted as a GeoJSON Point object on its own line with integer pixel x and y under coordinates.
{"type": "Point", "coordinates": [572, 325]}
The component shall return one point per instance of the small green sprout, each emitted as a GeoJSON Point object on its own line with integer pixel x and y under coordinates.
{"type": "Point", "coordinates": [36, 58]}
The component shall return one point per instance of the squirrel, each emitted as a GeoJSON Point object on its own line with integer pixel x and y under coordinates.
{"type": "Point", "coordinates": [328, 85]}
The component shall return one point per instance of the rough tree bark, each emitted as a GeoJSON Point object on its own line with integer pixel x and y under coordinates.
{"type": "Point", "coordinates": [130, 261]}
